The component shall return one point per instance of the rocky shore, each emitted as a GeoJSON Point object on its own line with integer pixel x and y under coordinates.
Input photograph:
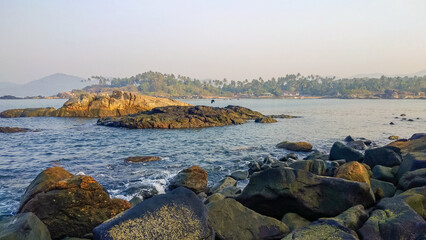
{"type": "Point", "coordinates": [183, 117]}
{"type": "Point", "coordinates": [119, 103]}
{"type": "Point", "coordinates": [375, 193]}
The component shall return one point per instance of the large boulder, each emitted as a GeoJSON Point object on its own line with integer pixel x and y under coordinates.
{"type": "Point", "coordinates": [413, 179]}
{"type": "Point", "coordinates": [358, 145]}
{"type": "Point", "coordinates": [314, 166]}
{"type": "Point", "coordinates": [353, 171]}
{"type": "Point", "coordinates": [23, 226]}
{"type": "Point", "coordinates": [69, 205]}
{"type": "Point", "coordinates": [393, 219]}
{"type": "Point", "coordinates": [178, 214]}
{"type": "Point", "coordinates": [295, 146]}
{"type": "Point", "coordinates": [342, 227]}
{"type": "Point", "coordinates": [413, 155]}
{"type": "Point", "coordinates": [231, 220]}
{"type": "Point", "coordinates": [194, 178]}
{"type": "Point", "coordinates": [341, 151]}
{"type": "Point", "coordinates": [183, 117]}
{"type": "Point", "coordinates": [222, 184]}
{"type": "Point", "coordinates": [384, 156]}
{"type": "Point", "coordinates": [117, 104]}
{"type": "Point", "coordinates": [277, 191]}
{"type": "Point", "coordinates": [416, 199]}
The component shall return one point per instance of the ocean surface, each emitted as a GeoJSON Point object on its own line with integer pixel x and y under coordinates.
{"type": "Point", "coordinates": [82, 147]}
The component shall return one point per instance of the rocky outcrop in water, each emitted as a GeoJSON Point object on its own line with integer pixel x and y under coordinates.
{"type": "Point", "coordinates": [13, 129]}
{"type": "Point", "coordinates": [98, 105]}
{"type": "Point", "coordinates": [183, 117]}
{"type": "Point", "coordinates": [69, 205]}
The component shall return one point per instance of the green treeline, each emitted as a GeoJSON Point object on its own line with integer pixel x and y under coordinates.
{"type": "Point", "coordinates": [155, 83]}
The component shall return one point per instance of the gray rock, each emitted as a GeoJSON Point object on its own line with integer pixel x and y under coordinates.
{"type": "Point", "coordinates": [240, 175]}
{"type": "Point", "coordinates": [413, 179]}
{"type": "Point", "coordinates": [387, 187]}
{"type": "Point", "coordinates": [358, 145]}
{"type": "Point", "coordinates": [230, 191]}
{"type": "Point", "coordinates": [226, 182]}
{"type": "Point", "coordinates": [416, 199]}
{"type": "Point", "coordinates": [279, 165]}
{"type": "Point", "coordinates": [340, 151]}
{"type": "Point", "coordinates": [255, 166]}
{"type": "Point", "coordinates": [268, 160]}
{"type": "Point", "coordinates": [384, 156]}
{"type": "Point", "coordinates": [317, 155]}
{"type": "Point", "coordinates": [231, 220]}
{"type": "Point", "coordinates": [277, 191]}
{"type": "Point", "coordinates": [417, 136]}
{"type": "Point", "coordinates": [23, 226]}
{"type": "Point", "coordinates": [294, 221]}
{"type": "Point", "coordinates": [214, 197]}
{"type": "Point", "coordinates": [292, 156]}
{"type": "Point", "coordinates": [349, 138]}
{"type": "Point", "coordinates": [384, 173]}
{"type": "Point", "coordinates": [393, 219]}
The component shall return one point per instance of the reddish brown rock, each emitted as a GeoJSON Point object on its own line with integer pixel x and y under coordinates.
{"type": "Point", "coordinates": [296, 146]}
{"type": "Point", "coordinates": [70, 206]}
{"type": "Point", "coordinates": [353, 171]}
{"type": "Point", "coordinates": [194, 178]}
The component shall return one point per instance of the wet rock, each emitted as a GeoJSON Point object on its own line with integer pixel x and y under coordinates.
{"type": "Point", "coordinates": [183, 117]}
{"type": "Point", "coordinates": [69, 205]}
{"type": "Point", "coordinates": [340, 151]}
{"type": "Point", "coordinates": [417, 136]}
{"type": "Point", "coordinates": [292, 156]}
{"type": "Point", "coordinates": [384, 173]}
{"type": "Point", "coordinates": [384, 156]}
{"type": "Point", "coordinates": [393, 137]}
{"type": "Point", "coordinates": [255, 166]}
{"type": "Point", "coordinates": [194, 178]}
{"type": "Point", "coordinates": [240, 175]}
{"type": "Point", "coordinates": [226, 182]}
{"type": "Point", "coordinates": [349, 138]}
{"type": "Point", "coordinates": [294, 221]}
{"type": "Point", "coordinates": [283, 116]}
{"type": "Point", "coordinates": [277, 191]}
{"type": "Point", "coordinates": [414, 156]}
{"type": "Point", "coordinates": [314, 166]}
{"type": "Point", "coordinates": [279, 165]}
{"type": "Point", "coordinates": [370, 173]}
{"type": "Point", "coordinates": [23, 226]}
{"type": "Point", "coordinates": [295, 146]}
{"type": "Point", "coordinates": [231, 220]}
{"type": "Point", "coordinates": [387, 188]}
{"type": "Point", "coordinates": [391, 123]}
{"type": "Point", "coordinates": [353, 171]}
{"type": "Point", "coordinates": [412, 179]}
{"type": "Point", "coordinates": [142, 159]}
{"type": "Point", "coordinates": [393, 219]}
{"type": "Point", "coordinates": [13, 130]}
{"type": "Point", "coordinates": [269, 160]}
{"type": "Point", "coordinates": [265, 120]}
{"type": "Point", "coordinates": [358, 145]}
{"type": "Point", "coordinates": [178, 214]}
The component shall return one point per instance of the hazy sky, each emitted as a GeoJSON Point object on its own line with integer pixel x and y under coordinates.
{"type": "Point", "coordinates": [211, 39]}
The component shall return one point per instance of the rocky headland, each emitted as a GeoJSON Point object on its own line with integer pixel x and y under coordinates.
{"type": "Point", "coordinates": [117, 104]}
{"type": "Point", "coordinates": [183, 117]}
{"type": "Point", "coordinates": [376, 193]}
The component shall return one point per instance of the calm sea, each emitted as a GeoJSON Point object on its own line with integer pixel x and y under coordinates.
{"type": "Point", "coordinates": [82, 147]}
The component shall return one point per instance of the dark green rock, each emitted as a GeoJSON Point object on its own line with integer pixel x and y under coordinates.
{"type": "Point", "coordinates": [224, 183]}
{"type": "Point", "coordinates": [294, 221]}
{"type": "Point", "coordinates": [341, 151]}
{"type": "Point", "coordinates": [231, 220]}
{"type": "Point", "coordinates": [240, 175]}
{"type": "Point", "coordinates": [277, 191]}
{"type": "Point", "coordinates": [23, 226]}
{"type": "Point", "coordinates": [384, 173]}
{"type": "Point", "coordinates": [387, 187]}
{"type": "Point", "coordinates": [416, 199]}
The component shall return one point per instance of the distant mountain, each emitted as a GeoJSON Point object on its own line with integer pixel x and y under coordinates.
{"type": "Point", "coordinates": [378, 75]}
{"type": "Point", "coordinates": [47, 86]}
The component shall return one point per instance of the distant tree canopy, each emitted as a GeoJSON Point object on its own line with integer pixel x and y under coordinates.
{"type": "Point", "coordinates": [155, 83]}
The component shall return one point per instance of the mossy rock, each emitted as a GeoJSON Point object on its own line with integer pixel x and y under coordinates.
{"type": "Point", "coordinates": [353, 171]}
{"type": "Point", "coordinates": [179, 214]}
{"type": "Point", "coordinates": [23, 226]}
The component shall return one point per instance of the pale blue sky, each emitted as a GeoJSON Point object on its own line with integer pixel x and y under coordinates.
{"type": "Point", "coordinates": [211, 39]}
